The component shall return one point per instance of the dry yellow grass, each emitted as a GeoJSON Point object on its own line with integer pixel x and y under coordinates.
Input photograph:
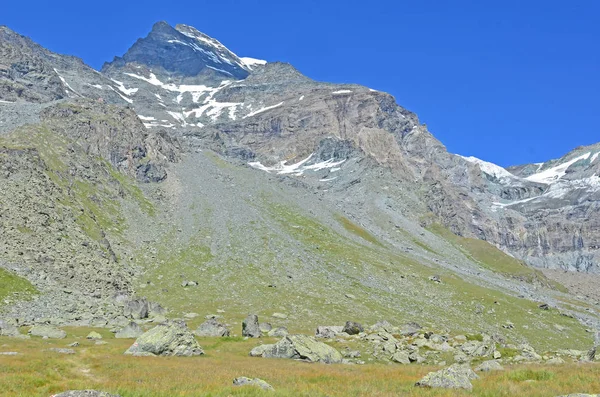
{"type": "Point", "coordinates": [36, 372]}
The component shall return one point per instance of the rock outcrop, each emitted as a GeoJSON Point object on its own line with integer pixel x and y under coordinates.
{"type": "Point", "coordinates": [299, 347]}
{"type": "Point", "coordinates": [169, 339]}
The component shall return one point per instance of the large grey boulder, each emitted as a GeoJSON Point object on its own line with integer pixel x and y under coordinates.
{"type": "Point", "coordinates": [455, 376]}
{"type": "Point", "coordinates": [47, 331]}
{"type": "Point", "coordinates": [85, 393]}
{"type": "Point", "coordinates": [353, 328]}
{"type": "Point", "coordinates": [251, 327]}
{"type": "Point", "coordinates": [136, 309]}
{"type": "Point", "coordinates": [243, 381]}
{"type": "Point", "coordinates": [299, 347]}
{"type": "Point", "coordinates": [328, 331]}
{"type": "Point", "coordinates": [130, 331]}
{"type": "Point", "coordinates": [168, 339]}
{"type": "Point", "coordinates": [213, 328]}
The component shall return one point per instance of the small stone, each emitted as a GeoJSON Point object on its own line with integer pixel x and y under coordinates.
{"type": "Point", "coordinates": [279, 315]}
{"type": "Point", "coordinates": [243, 381]}
{"type": "Point", "coordinates": [278, 332]}
{"type": "Point", "coordinates": [61, 350]}
{"type": "Point", "coordinates": [94, 335]}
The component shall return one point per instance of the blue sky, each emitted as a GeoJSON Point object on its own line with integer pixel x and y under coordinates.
{"type": "Point", "coordinates": [508, 81]}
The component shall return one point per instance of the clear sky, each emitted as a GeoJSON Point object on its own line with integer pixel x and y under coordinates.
{"type": "Point", "coordinates": [512, 81]}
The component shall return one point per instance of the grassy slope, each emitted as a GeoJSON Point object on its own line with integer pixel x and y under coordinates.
{"type": "Point", "coordinates": [36, 372]}
{"type": "Point", "coordinates": [385, 283]}
{"type": "Point", "coordinates": [493, 258]}
{"type": "Point", "coordinates": [13, 287]}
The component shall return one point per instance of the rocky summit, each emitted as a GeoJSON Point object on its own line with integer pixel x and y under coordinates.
{"type": "Point", "coordinates": [183, 180]}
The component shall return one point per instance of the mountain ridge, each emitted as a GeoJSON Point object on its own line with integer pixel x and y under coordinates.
{"type": "Point", "coordinates": [279, 180]}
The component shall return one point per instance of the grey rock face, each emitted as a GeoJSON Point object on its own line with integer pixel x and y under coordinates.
{"type": "Point", "coordinates": [47, 331]}
{"type": "Point", "coordinates": [131, 331]}
{"type": "Point", "coordinates": [454, 377]}
{"type": "Point", "coordinates": [243, 381]}
{"type": "Point", "coordinates": [213, 328]}
{"type": "Point", "coordinates": [170, 339]}
{"type": "Point", "coordinates": [299, 347]}
{"type": "Point", "coordinates": [251, 327]}
{"type": "Point", "coordinates": [7, 329]}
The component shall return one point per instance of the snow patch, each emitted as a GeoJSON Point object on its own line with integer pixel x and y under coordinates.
{"type": "Point", "coordinates": [121, 87]}
{"type": "Point", "coordinates": [339, 92]}
{"type": "Point", "coordinates": [553, 174]}
{"type": "Point", "coordinates": [62, 79]}
{"type": "Point", "coordinates": [301, 98]}
{"type": "Point", "coordinates": [282, 168]}
{"type": "Point", "coordinates": [1, 101]}
{"type": "Point", "coordinates": [594, 157]}
{"type": "Point", "coordinates": [146, 118]}
{"type": "Point", "coordinates": [250, 62]}
{"type": "Point", "coordinates": [490, 168]}
{"type": "Point", "coordinates": [263, 110]}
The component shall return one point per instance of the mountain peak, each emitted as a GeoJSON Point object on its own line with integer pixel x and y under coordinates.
{"type": "Point", "coordinates": [182, 51]}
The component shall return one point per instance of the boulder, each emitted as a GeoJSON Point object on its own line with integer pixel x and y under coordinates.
{"type": "Point", "coordinates": [328, 331]}
{"type": "Point", "coordinates": [591, 354]}
{"type": "Point", "coordinates": [156, 310]}
{"type": "Point", "coordinates": [299, 347]}
{"type": "Point", "coordinates": [168, 339]}
{"type": "Point", "coordinates": [555, 361]}
{"type": "Point", "coordinates": [454, 377]}
{"type": "Point", "coordinates": [94, 335]}
{"type": "Point", "coordinates": [278, 332]}
{"type": "Point", "coordinates": [212, 328]}
{"type": "Point", "coordinates": [265, 327]}
{"type": "Point", "coordinates": [61, 350]}
{"type": "Point", "coordinates": [410, 329]}
{"type": "Point", "coordinates": [353, 328]}
{"type": "Point", "coordinates": [490, 365]}
{"type": "Point", "coordinates": [47, 331]}
{"type": "Point", "coordinates": [136, 309]}
{"type": "Point", "coordinates": [243, 381]}
{"type": "Point", "coordinates": [130, 331]}
{"type": "Point", "coordinates": [401, 357]}
{"type": "Point", "coordinates": [478, 349]}
{"type": "Point", "coordinates": [10, 330]}
{"type": "Point", "coordinates": [85, 393]}
{"type": "Point", "coordinates": [251, 327]}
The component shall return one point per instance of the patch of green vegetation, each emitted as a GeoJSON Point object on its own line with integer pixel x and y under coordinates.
{"type": "Point", "coordinates": [522, 375]}
{"type": "Point", "coordinates": [475, 337]}
{"type": "Point", "coordinates": [508, 353]}
{"type": "Point", "coordinates": [24, 229]}
{"type": "Point", "coordinates": [12, 285]}
{"type": "Point", "coordinates": [218, 160]}
{"type": "Point", "coordinates": [357, 230]}
{"type": "Point", "coordinates": [492, 258]}
{"type": "Point", "coordinates": [425, 246]}
{"type": "Point", "coordinates": [132, 190]}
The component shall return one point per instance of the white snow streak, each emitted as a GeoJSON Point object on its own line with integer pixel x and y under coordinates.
{"type": "Point", "coordinates": [263, 110]}
{"type": "Point", "coordinates": [146, 118]}
{"type": "Point", "coordinates": [298, 168]}
{"type": "Point", "coordinates": [341, 92]}
{"type": "Point", "coordinates": [555, 173]}
{"type": "Point", "coordinates": [126, 91]}
{"type": "Point", "coordinates": [594, 157]}
{"type": "Point", "coordinates": [250, 62]}
{"type": "Point", "coordinates": [490, 168]}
